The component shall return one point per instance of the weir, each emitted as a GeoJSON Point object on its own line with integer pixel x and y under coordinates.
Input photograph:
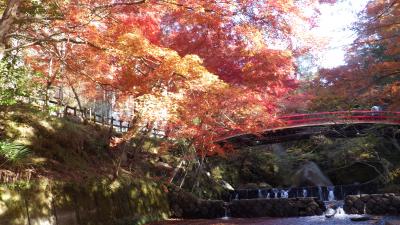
{"type": "Point", "coordinates": [323, 193]}
{"type": "Point", "coordinates": [329, 201]}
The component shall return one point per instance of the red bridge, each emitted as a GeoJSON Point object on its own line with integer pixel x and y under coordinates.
{"type": "Point", "coordinates": [332, 124]}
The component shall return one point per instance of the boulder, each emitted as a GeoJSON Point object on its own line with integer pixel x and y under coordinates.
{"type": "Point", "coordinates": [310, 174]}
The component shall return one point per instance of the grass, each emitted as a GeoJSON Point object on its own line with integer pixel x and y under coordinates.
{"type": "Point", "coordinates": [13, 153]}
{"type": "Point", "coordinates": [52, 147]}
{"type": "Point", "coordinates": [31, 141]}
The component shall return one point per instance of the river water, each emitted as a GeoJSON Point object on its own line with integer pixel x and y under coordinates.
{"type": "Point", "coordinates": [312, 220]}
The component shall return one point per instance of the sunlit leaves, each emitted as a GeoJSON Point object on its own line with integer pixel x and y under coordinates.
{"type": "Point", "coordinates": [372, 72]}
{"type": "Point", "coordinates": [222, 64]}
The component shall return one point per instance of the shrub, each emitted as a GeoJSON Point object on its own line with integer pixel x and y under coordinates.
{"type": "Point", "coordinates": [13, 153]}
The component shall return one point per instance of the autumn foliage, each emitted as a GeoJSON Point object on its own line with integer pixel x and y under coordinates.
{"type": "Point", "coordinates": [371, 74]}
{"type": "Point", "coordinates": [197, 69]}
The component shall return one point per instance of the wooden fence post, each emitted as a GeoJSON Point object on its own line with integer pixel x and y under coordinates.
{"type": "Point", "coordinates": [120, 126]}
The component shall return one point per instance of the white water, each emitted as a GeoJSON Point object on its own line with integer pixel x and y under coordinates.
{"type": "Point", "coordinates": [340, 211]}
{"type": "Point", "coordinates": [226, 217]}
{"type": "Point", "coordinates": [275, 192]}
{"type": "Point", "coordinates": [226, 214]}
{"type": "Point", "coordinates": [284, 193]}
{"type": "Point", "coordinates": [304, 193]}
{"type": "Point", "coordinates": [321, 197]}
{"type": "Point", "coordinates": [331, 194]}
{"type": "Point", "coordinates": [260, 194]}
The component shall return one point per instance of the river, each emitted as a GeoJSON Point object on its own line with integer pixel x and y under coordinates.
{"type": "Point", "coordinates": [312, 220]}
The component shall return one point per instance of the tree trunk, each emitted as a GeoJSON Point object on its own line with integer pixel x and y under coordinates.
{"type": "Point", "coordinates": [6, 22]}
{"type": "Point", "coordinates": [75, 94]}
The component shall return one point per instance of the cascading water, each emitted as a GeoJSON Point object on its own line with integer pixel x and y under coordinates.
{"type": "Point", "coordinates": [365, 209]}
{"type": "Point", "coordinates": [284, 193]}
{"type": "Point", "coordinates": [268, 195]}
{"type": "Point", "coordinates": [334, 207]}
{"type": "Point", "coordinates": [331, 194]}
{"type": "Point", "coordinates": [237, 196]}
{"type": "Point", "coordinates": [340, 211]}
{"type": "Point", "coordinates": [276, 191]}
{"type": "Point", "coordinates": [226, 208]}
{"type": "Point", "coordinates": [304, 193]}
{"type": "Point", "coordinates": [260, 194]}
{"type": "Point", "coordinates": [321, 197]}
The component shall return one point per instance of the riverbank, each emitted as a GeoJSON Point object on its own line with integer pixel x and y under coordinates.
{"type": "Point", "coordinates": [60, 171]}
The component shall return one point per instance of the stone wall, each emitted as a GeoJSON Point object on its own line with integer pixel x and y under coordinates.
{"type": "Point", "coordinates": [276, 207]}
{"type": "Point", "coordinates": [110, 202]}
{"type": "Point", "coordinates": [375, 204]}
{"type": "Point", "coordinates": [187, 206]}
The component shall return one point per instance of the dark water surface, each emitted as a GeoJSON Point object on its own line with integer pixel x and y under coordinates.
{"type": "Point", "coordinates": [312, 220]}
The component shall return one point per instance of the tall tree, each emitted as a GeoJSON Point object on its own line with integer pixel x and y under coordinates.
{"type": "Point", "coordinates": [201, 68]}
{"type": "Point", "coordinates": [372, 73]}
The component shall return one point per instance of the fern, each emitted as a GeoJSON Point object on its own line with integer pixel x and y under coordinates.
{"type": "Point", "coordinates": [13, 153]}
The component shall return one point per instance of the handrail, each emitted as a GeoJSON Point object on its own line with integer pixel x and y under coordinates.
{"type": "Point", "coordinates": [323, 118]}
{"type": "Point", "coordinates": [342, 116]}
{"type": "Point", "coordinates": [339, 112]}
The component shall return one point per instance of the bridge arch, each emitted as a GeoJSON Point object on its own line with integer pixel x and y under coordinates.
{"type": "Point", "coordinates": [331, 124]}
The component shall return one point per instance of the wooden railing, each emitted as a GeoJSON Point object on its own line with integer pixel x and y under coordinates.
{"type": "Point", "coordinates": [341, 117]}
{"type": "Point", "coordinates": [305, 119]}
{"type": "Point", "coordinates": [84, 113]}
{"type": "Point", "coordinates": [325, 118]}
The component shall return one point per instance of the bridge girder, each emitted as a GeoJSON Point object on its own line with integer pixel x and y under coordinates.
{"type": "Point", "coordinates": [305, 132]}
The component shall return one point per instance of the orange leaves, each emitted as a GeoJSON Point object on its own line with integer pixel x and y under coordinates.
{"type": "Point", "coordinates": [201, 68]}
{"type": "Point", "coordinates": [372, 72]}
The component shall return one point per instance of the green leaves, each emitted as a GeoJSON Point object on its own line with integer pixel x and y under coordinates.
{"type": "Point", "coordinates": [13, 153]}
{"type": "Point", "coordinates": [14, 81]}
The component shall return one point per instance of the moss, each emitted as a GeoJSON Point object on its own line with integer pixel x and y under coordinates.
{"type": "Point", "coordinates": [71, 168]}
{"type": "Point", "coordinates": [94, 202]}
{"type": "Point", "coordinates": [56, 144]}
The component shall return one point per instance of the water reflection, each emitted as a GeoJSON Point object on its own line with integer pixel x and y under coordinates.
{"type": "Point", "coordinates": [312, 220]}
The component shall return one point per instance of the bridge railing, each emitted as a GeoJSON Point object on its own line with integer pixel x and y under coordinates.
{"type": "Point", "coordinates": [341, 116]}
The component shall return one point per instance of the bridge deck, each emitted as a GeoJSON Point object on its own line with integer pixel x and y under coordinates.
{"type": "Point", "coordinates": [294, 123]}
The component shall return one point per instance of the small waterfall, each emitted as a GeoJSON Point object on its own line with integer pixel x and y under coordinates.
{"type": "Point", "coordinates": [334, 209]}
{"type": "Point", "coordinates": [237, 196]}
{"type": "Point", "coordinates": [226, 214]}
{"type": "Point", "coordinates": [321, 197]}
{"type": "Point", "coordinates": [304, 193]}
{"type": "Point", "coordinates": [365, 209]}
{"type": "Point", "coordinates": [284, 193]}
{"type": "Point", "coordinates": [268, 195]}
{"type": "Point", "coordinates": [331, 194]}
{"type": "Point", "coordinates": [276, 191]}
{"type": "Point", "coordinates": [260, 194]}
{"type": "Point", "coordinates": [340, 211]}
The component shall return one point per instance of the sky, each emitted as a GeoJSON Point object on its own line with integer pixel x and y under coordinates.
{"type": "Point", "coordinates": [334, 24]}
